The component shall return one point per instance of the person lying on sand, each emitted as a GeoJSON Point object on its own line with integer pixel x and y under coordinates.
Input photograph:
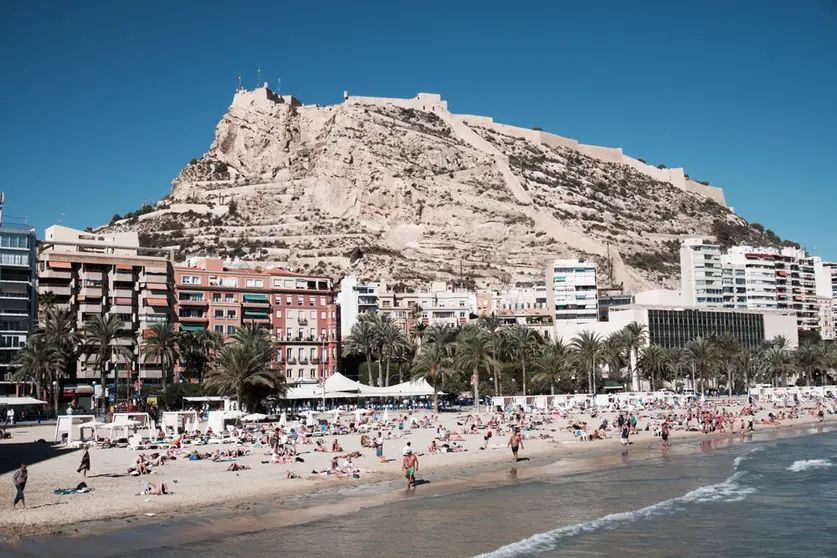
{"type": "Point", "coordinates": [237, 467]}
{"type": "Point", "coordinates": [320, 447]}
{"type": "Point", "coordinates": [335, 446]}
{"type": "Point", "coordinates": [151, 488]}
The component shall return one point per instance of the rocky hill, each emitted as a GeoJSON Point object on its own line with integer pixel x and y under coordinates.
{"type": "Point", "coordinates": [402, 190]}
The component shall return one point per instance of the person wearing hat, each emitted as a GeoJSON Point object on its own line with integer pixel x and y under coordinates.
{"type": "Point", "coordinates": [410, 467]}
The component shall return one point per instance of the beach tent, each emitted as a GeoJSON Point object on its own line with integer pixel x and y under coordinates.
{"type": "Point", "coordinates": [70, 424]}
{"type": "Point", "coordinates": [187, 420]}
{"type": "Point", "coordinates": [337, 383]}
{"type": "Point", "coordinates": [20, 401]}
{"type": "Point", "coordinates": [255, 417]}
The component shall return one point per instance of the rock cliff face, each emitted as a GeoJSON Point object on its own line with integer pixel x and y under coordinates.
{"type": "Point", "coordinates": [402, 190]}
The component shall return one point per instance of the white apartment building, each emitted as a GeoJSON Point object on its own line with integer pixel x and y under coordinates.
{"type": "Point", "coordinates": [528, 306]}
{"type": "Point", "coordinates": [701, 274]}
{"type": "Point", "coordinates": [355, 299]}
{"type": "Point", "coordinates": [749, 280]}
{"type": "Point", "coordinates": [826, 317]}
{"type": "Point", "coordinates": [439, 304]}
{"type": "Point", "coordinates": [572, 292]}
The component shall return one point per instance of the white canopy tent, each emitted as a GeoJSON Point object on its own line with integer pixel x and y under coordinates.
{"type": "Point", "coordinates": [416, 388]}
{"type": "Point", "coordinates": [17, 401]}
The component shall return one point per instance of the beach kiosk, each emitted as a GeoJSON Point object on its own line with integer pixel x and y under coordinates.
{"type": "Point", "coordinates": [72, 426]}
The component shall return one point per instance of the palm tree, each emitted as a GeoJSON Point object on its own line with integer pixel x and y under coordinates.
{"type": "Point", "coordinates": [778, 362]}
{"type": "Point", "coordinates": [554, 363]}
{"type": "Point", "coordinates": [473, 352]}
{"type": "Point", "coordinates": [362, 341]}
{"type": "Point", "coordinates": [729, 350]}
{"type": "Point", "coordinates": [443, 335]}
{"type": "Point", "coordinates": [101, 336]}
{"type": "Point", "coordinates": [654, 361]}
{"type": "Point", "coordinates": [244, 369]}
{"type": "Point", "coordinates": [809, 356]}
{"type": "Point", "coordinates": [161, 345]}
{"type": "Point", "coordinates": [59, 330]}
{"type": "Point", "coordinates": [635, 335]}
{"type": "Point", "coordinates": [613, 352]}
{"type": "Point", "coordinates": [404, 354]}
{"type": "Point", "coordinates": [434, 364]}
{"type": "Point", "coordinates": [700, 355]}
{"type": "Point", "coordinates": [195, 350]}
{"type": "Point", "coordinates": [381, 324]}
{"type": "Point", "coordinates": [46, 301]}
{"type": "Point", "coordinates": [522, 345]}
{"type": "Point", "coordinates": [746, 360]}
{"type": "Point", "coordinates": [677, 358]}
{"type": "Point", "coordinates": [393, 340]}
{"type": "Point", "coordinates": [42, 362]}
{"type": "Point", "coordinates": [588, 348]}
{"type": "Point", "coordinates": [492, 325]}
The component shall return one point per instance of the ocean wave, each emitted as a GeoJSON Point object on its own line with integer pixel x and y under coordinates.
{"type": "Point", "coordinates": [805, 464]}
{"type": "Point", "coordinates": [745, 456]}
{"type": "Point", "coordinates": [731, 490]}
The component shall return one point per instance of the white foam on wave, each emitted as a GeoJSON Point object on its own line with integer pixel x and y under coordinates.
{"type": "Point", "coordinates": [745, 456]}
{"type": "Point", "coordinates": [730, 490]}
{"type": "Point", "coordinates": [805, 464]}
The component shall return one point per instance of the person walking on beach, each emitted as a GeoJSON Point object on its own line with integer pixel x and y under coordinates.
{"type": "Point", "coordinates": [379, 446]}
{"type": "Point", "coordinates": [515, 443]}
{"type": "Point", "coordinates": [624, 434]}
{"type": "Point", "coordinates": [664, 434]}
{"type": "Point", "coordinates": [85, 462]}
{"type": "Point", "coordinates": [410, 467]}
{"type": "Point", "coordinates": [20, 478]}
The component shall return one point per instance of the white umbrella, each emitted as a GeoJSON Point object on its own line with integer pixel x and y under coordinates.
{"type": "Point", "coordinates": [93, 424]}
{"type": "Point", "coordinates": [386, 416]}
{"type": "Point", "coordinates": [283, 419]}
{"type": "Point", "coordinates": [255, 417]}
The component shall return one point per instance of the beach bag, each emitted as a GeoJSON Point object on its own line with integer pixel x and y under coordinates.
{"type": "Point", "coordinates": [81, 485]}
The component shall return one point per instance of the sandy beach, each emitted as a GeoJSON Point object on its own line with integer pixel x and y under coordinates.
{"type": "Point", "coordinates": [206, 484]}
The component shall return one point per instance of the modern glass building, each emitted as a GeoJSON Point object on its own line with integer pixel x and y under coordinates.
{"type": "Point", "coordinates": [675, 328]}
{"type": "Point", "coordinates": [18, 310]}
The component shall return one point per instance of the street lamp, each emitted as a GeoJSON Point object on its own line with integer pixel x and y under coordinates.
{"type": "Point", "coordinates": [55, 396]}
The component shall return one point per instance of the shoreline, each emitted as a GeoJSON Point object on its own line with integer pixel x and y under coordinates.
{"type": "Point", "coordinates": [312, 500]}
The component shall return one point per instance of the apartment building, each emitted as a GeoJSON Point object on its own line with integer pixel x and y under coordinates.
{"type": "Point", "coordinates": [17, 289]}
{"type": "Point", "coordinates": [701, 274]}
{"type": "Point", "coordinates": [299, 310]}
{"type": "Point", "coordinates": [355, 299]}
{"type": "Point", "coordinates": [527, 306]}
{"type": "Point", "coordinates": [439, 304]}
{"type": "Point", "coordinates": [92, 274]}
{"type": "Point", "coordinates": [572, 292]}
{"type": "Point", "coordinates": [749, 279]}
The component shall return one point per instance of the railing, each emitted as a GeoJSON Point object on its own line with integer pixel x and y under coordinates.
{"type": "Point", "coordinates": [302, 321]}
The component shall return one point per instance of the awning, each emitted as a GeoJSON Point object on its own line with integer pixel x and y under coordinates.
{"type": "Point", "coordinates": [157, 301]}
{"type": "Point", "coordinates": [59, 265]}
{"type": "Point", "coordinates": [13, 401]}
{"type": "Point", "coordinates": [255, 314]}
{"type": "Point", "coordinates": [204, 399]}
{"type": "Point", "coordinates": [155, 270]}
{"type": "Point", "coordinates": [157, 286]}
{"type": "Point", "coordinates": [189, 327]}
{"type": "Point", "coordinates": [256, 298]}
{"type": "Point", "coordinates": [123, 266]}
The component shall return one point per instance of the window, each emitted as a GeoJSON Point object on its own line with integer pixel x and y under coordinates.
{"type": "Point", "coordinates": [230, 330]}
{"type": "Point", "coordinates": [313, 372]}
{"type": "Point", "coordinates": [313, 353]}
{"type": "Point", "coordinates": [289, 283]}
{"type": "Point", "coordinates": [301, 354]}
{"type": "Point", "coordinates": [289, 300]}
{"type": "Point", "coordinates": [216, 297]}
{"type": "Point", "coordinates": [278, 333]}
{"type": "Point", "coordinates": [229, 281]}
{"type": "Point", "coordinates": [279, 356]}
{"type": "Point", "coordinates": [278, 300]}
{"type": "Point", "coordinates": [219, 329]}
{"type": "Point", "coordinates": [289, 373]}
{"type": "Point", "coordinates": [312, 300]}
{"type": "Point", "coordinates": [322, 315]}
{"type": "Point", "coordinates": [313, 314]}
{"type": "Point", "coordinates": [191, 280]}
{"type": "Point", "coordinates": [219, 314]}
{"type": "Point", "coordinates": [254, 283]}
{"type": "Point", "coordinates": [323, 333]}
{"type": "Point", "coordinates": [300, 300]}
{"type": "Point", "coordinates": [14, 241]}
{"type": "Point", "coordinates": [229, 298]}
{"type": "Point", "coordinates": [289, 355]}
{"type": "Point", "coordinates": [462, 314]}
{"type": "Point", "coordinates": [313, 333]}
{"type": "Point", "coordinates": [278, 313]}
{"type": "Point", "coordinates": [300, 373]}
{"type": "Point", "coordinates": [322, 301]}
{"type": "Point", "coordinates": [231, 314]}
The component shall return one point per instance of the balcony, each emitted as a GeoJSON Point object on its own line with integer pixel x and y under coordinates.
{"type": "Point", "coordinates": [14, 296]}
{"type": "Point", "coordinates": [85, 308]}
{"type": "Point", "coordinates": [122, 293]}
{"type": "Point", "coordinates": [291, 360]}
{"type": "Point", "coordinates": [193, 318]}
{"type": "Point", "coordinates": [91, 275]}
{"type": "Point", "coordinates": [92, 292]}
{"type": "Point", "coordinates": [315, 360]}
{"type": "Point", "coordinates": [255, 300]}
{"type": "Point", "coordinates": [303, 360]}
{"type": "Point", "coordinates": [302, 321]}
{"type": "Point", "coordinates": [192, 301]}
{"type": "Point", "coordinates": [49, 273]}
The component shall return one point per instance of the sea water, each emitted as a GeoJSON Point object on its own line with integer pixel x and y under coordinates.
{"type": "Point", "coordinates": [731, 499]}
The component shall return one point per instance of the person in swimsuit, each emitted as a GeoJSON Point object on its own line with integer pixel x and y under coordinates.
{"type": "Point", "coordinates": [85, 462]}
{"type": "Point", "coordinates": [410, 467]}
{"type": "Point", "coordinates": [665, 434]}
{"type": "Point", "coordinates": [516, 442]}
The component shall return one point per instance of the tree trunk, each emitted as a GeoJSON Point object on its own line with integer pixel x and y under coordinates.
{"type": "Point", "coordinates": [387, 376]}
{"type": "Point", "coordinates": [55, 398]}
{"type": "Point", "coordinates": [435, 399]}
{"type": "Point", "coordinates": [731, 379]}
{"type": "Point", "coordinates": [523, 363]}
{"type": "Point", "coordinates": [400, 372]}
{"type": "Point", "coordinates": [496, 375]}
{"type": "Point", "coordinates": [477, 388]}
{"type": "Point", "coordinates": [552, 389]}
{"type": "Point", "coordinates": [369, 369]}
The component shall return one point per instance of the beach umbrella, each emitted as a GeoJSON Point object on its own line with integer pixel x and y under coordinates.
{"type": "Point", "coordinates": [255, 417]}
{"type": "Point", "coordinates": [283, 419]}
{"type": "Point", "coordinates": [386, 416]}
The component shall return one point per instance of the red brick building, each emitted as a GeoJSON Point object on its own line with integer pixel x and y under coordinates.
{"type": "Point", "coordinates": [300, 311]}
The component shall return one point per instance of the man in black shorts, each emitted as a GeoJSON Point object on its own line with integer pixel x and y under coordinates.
{"type": "Point", "coordinates": [665, 434]}
{"type": "Point", "coordinates": [516, 442]}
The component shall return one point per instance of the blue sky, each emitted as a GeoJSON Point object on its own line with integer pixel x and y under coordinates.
{"type": "Point", "coordinates": [105, 102]}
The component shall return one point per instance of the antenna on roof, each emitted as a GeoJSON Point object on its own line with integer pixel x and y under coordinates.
{"type": "Point", "coordinates": [259, 78]}
{"type": "Point", "coordinates": [278, 85]}
{"type": "Point", "coordinates": [239, 83]}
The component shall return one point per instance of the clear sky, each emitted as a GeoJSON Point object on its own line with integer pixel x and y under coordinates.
{"type": "Point", "coordinates": [104, 102]}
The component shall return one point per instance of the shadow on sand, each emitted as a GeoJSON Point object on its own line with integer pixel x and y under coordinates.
{"type": "Point", "coordinates": [15, 453]}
